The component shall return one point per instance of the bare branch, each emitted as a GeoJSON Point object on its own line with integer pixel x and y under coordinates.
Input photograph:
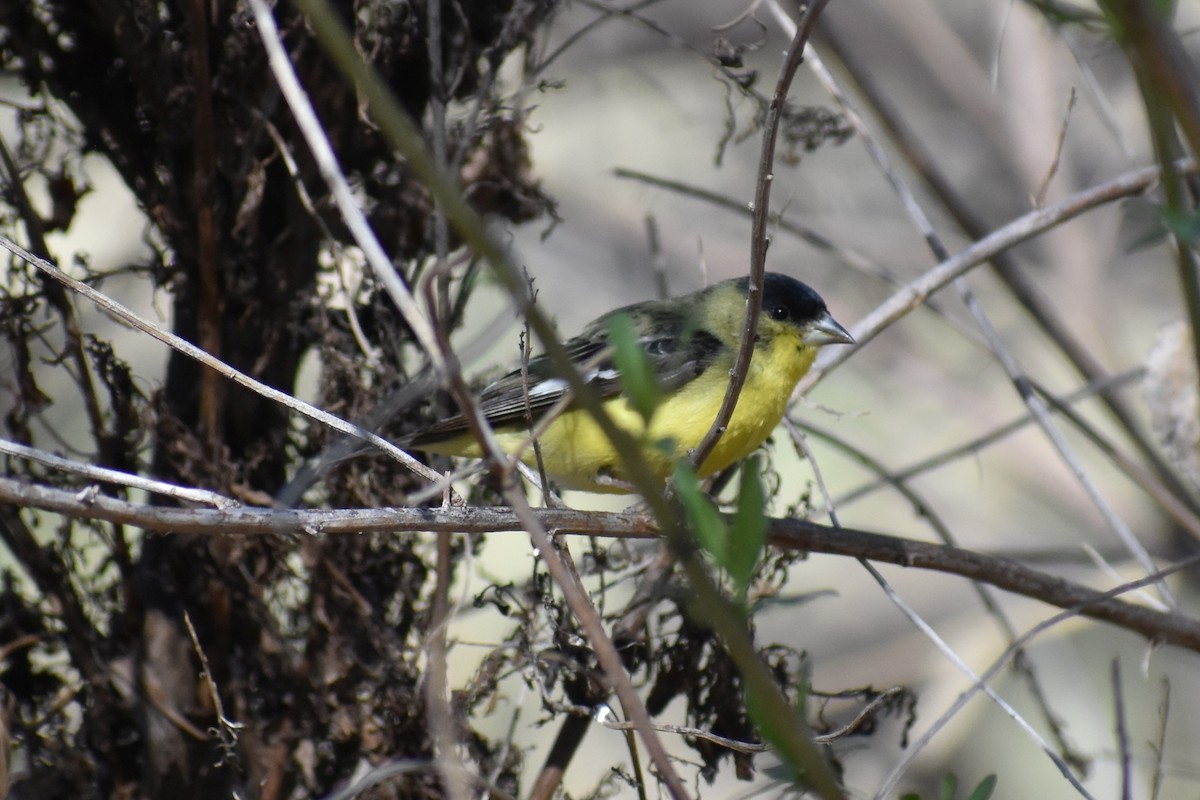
{"type": "Point", "coordinates": [795, 534]}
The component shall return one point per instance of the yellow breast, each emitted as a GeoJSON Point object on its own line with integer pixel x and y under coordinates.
{"type": "Point", "coordinates": [578, 455]}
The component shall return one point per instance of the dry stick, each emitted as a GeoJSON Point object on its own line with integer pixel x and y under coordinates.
{"type": "Point", "coordinates": [850, 257]}
{"type": "Point", "coordinates": [191, 351]}
{"type": "Point", "coordinates": [984, 440]}
{"type": "Point", "coordinates": [1004, 573]}
{"type": "Point", "coordinates": [442, 724]}
{"type": "Point", "coordinates": [1001, 352]}
{"type": "Point", "coordinates": [208, 273]}
{"type": "Point", "coordinates": [593, 626]}
{"type": "Point", "coordinates": [1122, 731]}
{"type": "Point", "coordinates": [343, 195]}
{"type": "Point", "coordinates": [607, 15]}
{"type": "Point", "coordinates": [441, 715]}
{"type": "Point", "coordinates": [1139, 475]}
{"type": "Point", "coordinates": [1028, 294]}
{"type": "Point", "coordinates": [790, 729]}
{"type": "Point", "coordinates": [738, 745]}
{"type": "Point", "coordinates": [1021, 662]}
{"type": "Point", "coordinates": [758, 233]}
{"type": "Point", "coordinates": [562, 751]}
{"type": "Point", "coordinates": [106, 475]}
{"type": "Point", "coordinates": [914, 294]}
{"type": "Point", "coordinates": [1039, 197]}
{"type": "Point", "coordinates": [1160, 743]}
{"type": "Point", "coordinates": [920, 623]}
{"type": "Point", "coordinates": [1070, 612]}
{"type": "Point", "coordinates": [228, 728]}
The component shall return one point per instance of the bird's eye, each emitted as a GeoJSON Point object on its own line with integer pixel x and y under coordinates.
{"type": "Point", "coordinates": [779, 312]}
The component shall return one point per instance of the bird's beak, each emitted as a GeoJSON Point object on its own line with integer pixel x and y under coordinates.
{"type": "Point", "coordinates": [826, 330]}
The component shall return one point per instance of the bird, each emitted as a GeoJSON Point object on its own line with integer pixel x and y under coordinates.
{"type": "Point", "coordinates": [690, 344]}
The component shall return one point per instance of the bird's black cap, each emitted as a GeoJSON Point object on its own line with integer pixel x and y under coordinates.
{"type": "Point", "coordinates": [786, 299]}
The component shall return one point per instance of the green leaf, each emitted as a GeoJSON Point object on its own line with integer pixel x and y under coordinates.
{"type": "Point", "coordinates": [984, 790]}
{"type": "Point", "coordinates": [1184, 224]}
{"type": "Point", "coordinates": [702, 515]}
{"type": "Point", "coordinates": [637, 375]}
{"type": "Point", "coordinates": [949, 786]}
{"type": "Point", "coordinates": [1161, 221]}
{"type": "Point", "coordinates": [749, 534]}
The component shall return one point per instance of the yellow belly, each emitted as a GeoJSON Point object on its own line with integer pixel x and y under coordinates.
{"type": "Point", "coordinates": [578, 455]}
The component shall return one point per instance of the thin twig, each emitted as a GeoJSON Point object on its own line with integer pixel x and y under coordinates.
{"type": "Point", "coordinates": [442, 723]}
{"type": "Point", "coordinates": [845, 255]}
{"type": "Point", "coordinates": [975, 446]}
{"type": "Point", "coordinates": [1069, 612]}
{"type": "Point", "coordinates": [758, 234]}
{"type": "Point", "coordinates": [343, 195]}
{"type": "Point", "coordinates": [1122, 731]}
{"type": "Point", "coordinates": [228, 728]}
{"type": "Point", "coordinates": [210, 289]}
{"type": "Point", "coordinates": [737, 745]}
{"type": "Point", "coordinates": [1160, 742]}
{"type": "Point", "coordinates": [927, 630]}
{"type": "Point", "coordinates": [191, 351]}
{"type": "Point", "coordinates": [1039, 198]}
{"type": "Point", "coordinates": [107, 475]}
{"type": "Point", "coordinates": [914, 294]}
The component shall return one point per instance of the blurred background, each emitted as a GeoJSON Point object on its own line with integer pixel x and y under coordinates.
{"type": "Point", "coordinates": [1016, 111]}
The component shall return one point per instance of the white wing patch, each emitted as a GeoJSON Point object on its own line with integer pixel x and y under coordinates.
{"type": "Point", "coordinates": [598, 374]}
{"type": "Point", "coordinates": [551, 386]}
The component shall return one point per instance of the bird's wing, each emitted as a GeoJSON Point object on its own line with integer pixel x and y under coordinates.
{"type": "Point", "coordinates": [677, 356]}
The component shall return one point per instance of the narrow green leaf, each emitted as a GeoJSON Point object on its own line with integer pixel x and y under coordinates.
{"type": "Point", "coordinates": [702, 515]}
{"type": "Point", "coordinates": [637, 375]}
{"type": "Point", "coordinates": [1184, 224]}
{"type": "Point", "coordinates": [949, 786]}
{"type": "Point", "coordinates": [984, 790]}
{"type": "Point", "coordinates": [1157, 221]}
{"type": "Point", "coordinates": [773, 725]}
{"type": "Point", "coordinates": [749, 534]}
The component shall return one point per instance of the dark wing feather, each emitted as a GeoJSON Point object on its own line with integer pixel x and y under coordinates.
{"type": "Point", "coordinates": [677, 355]}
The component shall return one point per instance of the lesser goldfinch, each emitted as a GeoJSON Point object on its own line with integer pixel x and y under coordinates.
{"type": "Point", "coordinates": [690, 343]}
